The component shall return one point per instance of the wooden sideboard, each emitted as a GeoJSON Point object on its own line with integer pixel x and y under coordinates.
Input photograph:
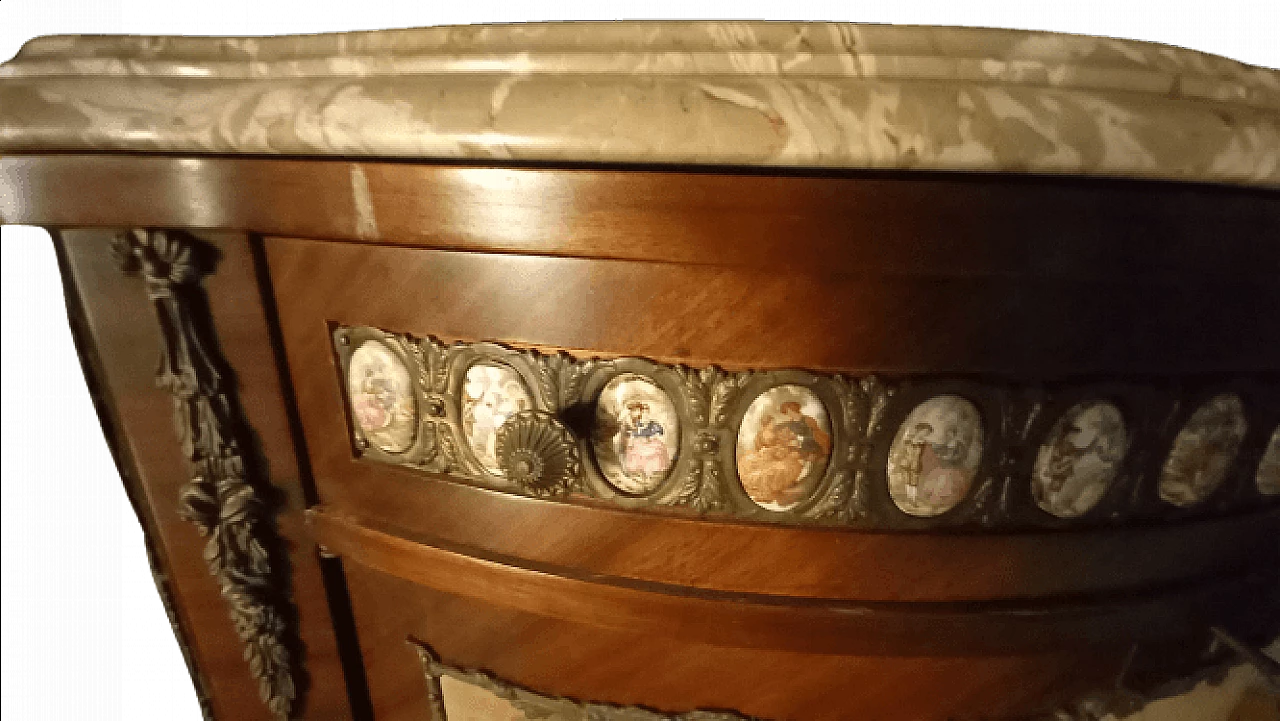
{"type": "Point", "coordinates": [442, 433]}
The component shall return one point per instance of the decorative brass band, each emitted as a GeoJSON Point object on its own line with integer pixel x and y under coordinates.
{"type": "Point", "coordinates": [1004, 452]}
{"type": "Point", "coordinates": [224, 498]}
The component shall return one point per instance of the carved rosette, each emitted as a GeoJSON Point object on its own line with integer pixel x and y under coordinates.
{"type": "Point", "coordinates": [223, 498]}
{"type": "Point", "coordinates": [539, 454]}
{"type": "Point", "coordinates": [791, 446]}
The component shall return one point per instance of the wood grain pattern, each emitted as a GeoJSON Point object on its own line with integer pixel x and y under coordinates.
{"type": "Point", "coordinates": [629, 666]}
{"type": "Point", "coordinates": [797, 624]}
{"type": "Point", "coordinates": [873, 222]}
{"type": "Point", "coordinates": [321, 282]}
{"type": "Point", "coordinates": [976, 252]}
{"type": "Point", "coordinates": [832, 564]}
{"type": "Point", "coordinates": [1053, 282]}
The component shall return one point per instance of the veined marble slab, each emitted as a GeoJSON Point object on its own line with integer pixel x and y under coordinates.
{"type": "Point", "coordinates": [815, 95]}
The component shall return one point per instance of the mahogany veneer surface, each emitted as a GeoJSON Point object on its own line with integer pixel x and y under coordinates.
{"type": "Point", "coordinates": [982, 279]}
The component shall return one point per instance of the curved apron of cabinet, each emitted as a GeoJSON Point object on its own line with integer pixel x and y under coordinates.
{"type": "Point", "coordinates": [678, 370]}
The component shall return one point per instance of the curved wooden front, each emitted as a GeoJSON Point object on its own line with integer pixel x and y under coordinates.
{"type": "Point", "coordinates": [319, 283]}
{"type": "Point", "coordinates": [819, 563]}
{"type": "Point", "coordinates": [813, 625]}
{"type": "Point", "coordinates": [987, 280]}
{"type": "Point", "coordinates": [882, 272]}
{"type": "Point", "coordinates": [1027, 283]}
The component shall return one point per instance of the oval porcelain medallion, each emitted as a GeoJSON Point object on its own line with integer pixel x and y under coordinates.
{"type": "Point", "coordinates": [1203, 451]}
{"type": "Point", "coordinates": [636, 435]}
{"type": "Point", "coordinates": [935, 456]}
{"type": "Point", "coordinates": [381, 397]}
{"type": "Point", "coordinates": [784, 445]}
{"type": "Point", "coordinates": [1079, 459]}
{"type": "Point", "coordinates": [491, 393]}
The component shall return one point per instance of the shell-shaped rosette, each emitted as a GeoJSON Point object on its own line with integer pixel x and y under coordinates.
{"type": "Point", "coordinates": [539, 454]}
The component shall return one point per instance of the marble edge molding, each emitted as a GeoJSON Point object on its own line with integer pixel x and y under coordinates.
{"type": "Point", "coordinates": [769, 94]}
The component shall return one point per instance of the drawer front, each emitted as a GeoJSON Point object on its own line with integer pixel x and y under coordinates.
{"type": "Point", "coordinates": [584, 594]}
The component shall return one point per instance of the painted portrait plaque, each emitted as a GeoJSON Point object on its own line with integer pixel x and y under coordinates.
{"type": "Point", "coordinates": [381, 396]}
{"type": "Point", "coordinates": [935, 456]}
{"type": "Point", "coordinates": [637, 433]}
{"type": "Point", "coordinates": [491, 393]}
{"type": "Point", "coordinates": [784, 444]}
{"type": "Point", "coordinates": [1268, 476]}
{"type": "Point", "coordinates": [1079, 459]}
{"type": "Point", "coordinates": [1203, 451]}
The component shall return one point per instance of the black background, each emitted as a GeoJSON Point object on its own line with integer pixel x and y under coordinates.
{"type": "Point", "coordinates": [74, 535]}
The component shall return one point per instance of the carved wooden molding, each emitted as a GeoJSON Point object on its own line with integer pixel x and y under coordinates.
{"type": "Point", "coordinates": [539, 706]}
{"type": "Point", "coordinates": [225, 498]}
{"type": "Point", "coordinates": [798, 447]}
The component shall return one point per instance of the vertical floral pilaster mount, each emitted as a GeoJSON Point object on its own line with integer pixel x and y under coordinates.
{"type": "Point", "coordinates": [223, 498]}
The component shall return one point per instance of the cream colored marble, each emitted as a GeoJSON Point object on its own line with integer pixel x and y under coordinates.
{"type": "Point", "coordinates": [734, 93]}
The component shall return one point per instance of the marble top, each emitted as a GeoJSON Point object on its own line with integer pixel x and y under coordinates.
{"type": "Point", "coordinates": [817, 95]}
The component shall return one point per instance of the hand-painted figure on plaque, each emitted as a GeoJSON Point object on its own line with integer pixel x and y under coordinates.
{"type": "Point", "coordinates": [936, 478]}
{"type": "Point", "coordinates": [783, 446]}
{"type": "Point", "coordinates": [643, 452]}
{"type": "Point", "coordinates": [374, 402]}
{"type": "Point", "coordinates": [1203, 451]}
{"type": "Point", "coordinates": [491, 394]}
{"type": "Point", "coordinates": [1079, 459]}
{"type": "Point", "coordinates": [1268, 476]}
{"type": "Point", "coordinates": [636, 433]}
{"type": "Point", "coordinates": [935, 456]}
{"type": "Point", "coordinates": [382, 397]}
